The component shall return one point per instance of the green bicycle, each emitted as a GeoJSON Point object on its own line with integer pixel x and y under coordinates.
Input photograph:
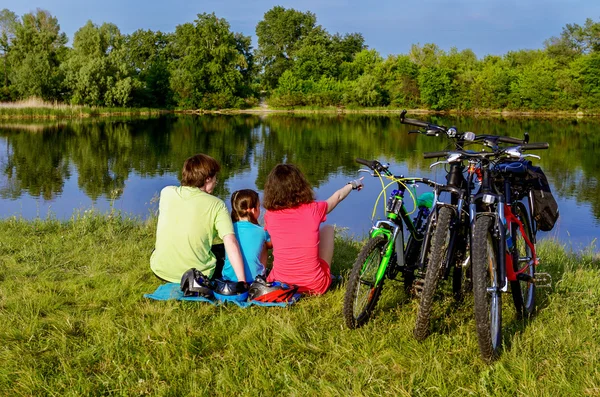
{"type": "Point", "coordinates": [385, 254]}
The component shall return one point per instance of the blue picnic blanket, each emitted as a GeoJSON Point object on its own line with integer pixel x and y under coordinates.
{"type": "Point", "coordinates": [172, 291]}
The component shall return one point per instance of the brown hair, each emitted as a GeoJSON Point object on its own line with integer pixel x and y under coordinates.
{"type": "Point", "coordinates": [197, 169]}
{"type": "Point", "coordinates": [241, 202]}
{"type": "Point", "coordinates": [286, 187]}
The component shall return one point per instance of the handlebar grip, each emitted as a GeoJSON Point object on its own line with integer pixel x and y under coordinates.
{"type": "Point", "coordinates": [508, 139]}
{"type": "Point", "coordinates": [432, 155]}
{"type": "Point", "coordinates": [416, 123]}
{"type": "Point", "coordinates": [368, 163]}
{"type": "Point", "coordinates": [535, 146]}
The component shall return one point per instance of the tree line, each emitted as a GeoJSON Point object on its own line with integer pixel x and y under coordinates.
{"type": "Point", "coordinates": [204, 65]}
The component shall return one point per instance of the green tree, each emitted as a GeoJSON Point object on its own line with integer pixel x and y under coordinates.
{"type": "Point", "coordinates": [8, 22]}
{"type": "Point", "coordinates": [575, 40]}
{"type": "Point", "coordinates": [96, 72]}
{"type": "Point", "coordinates": [399, 76]}
{"type": "Point", "coordinates": [588, 76]}
{"type": "Point", "coordinates": [437, 88]}
{"type": "Point", "coordinates": [37, 51]}
{"type": "Point", "coordinates": [209, 64]}
{"type": "Point", "coordinates": [279, 34]}
{"type": "Point", "coordinates": [491, 87]}
{"type": "Point", "coordinates": [148, 56]}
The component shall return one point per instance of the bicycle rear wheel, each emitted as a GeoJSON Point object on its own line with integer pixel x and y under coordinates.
{"type": "Point", "coordinates": [361, 292]}
{"type": "Point", "coordinates": [523, 291]}
{"type": "Point", "coordinates": [438, 251]}
{"type": "Point", "coordinates": [486, 291]}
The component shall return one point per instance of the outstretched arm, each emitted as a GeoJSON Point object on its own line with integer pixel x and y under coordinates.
{"type": "Point", "coordinates": [342, 193]}
{"type": "Point", "coordinates": [235, 256]}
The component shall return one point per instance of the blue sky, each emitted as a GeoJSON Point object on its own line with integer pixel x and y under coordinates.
{"type": "Point", "coordinates": [389, 26]}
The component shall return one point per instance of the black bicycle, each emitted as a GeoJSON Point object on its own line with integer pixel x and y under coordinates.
{"type": "Point", "coordinates": [502, 237]}
{"type": "Point", "coordinates": [447, 246]}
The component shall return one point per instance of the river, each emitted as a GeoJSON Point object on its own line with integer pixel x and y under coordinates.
{"type": "Point", "coordinates": [61, 168]}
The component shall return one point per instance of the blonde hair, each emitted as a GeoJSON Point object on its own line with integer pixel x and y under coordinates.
{"type": "Point", "coordinates": [242, 201]}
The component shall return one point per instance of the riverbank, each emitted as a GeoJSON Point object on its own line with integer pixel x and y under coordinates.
{"type": "Point", "coordinates": [74, 322]}
{"type": "Point", "coordinates": [36, 109]}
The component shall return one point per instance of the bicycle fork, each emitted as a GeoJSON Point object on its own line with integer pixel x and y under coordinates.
{"type": "Point", "coordinates": [395, 237]}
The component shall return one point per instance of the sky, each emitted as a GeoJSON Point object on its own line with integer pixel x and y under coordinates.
{"type": "Point", "coordinates": [488, 27]}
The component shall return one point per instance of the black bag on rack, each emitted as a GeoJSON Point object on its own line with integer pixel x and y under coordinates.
{"type": "Point", "coordinates": [545, 207]}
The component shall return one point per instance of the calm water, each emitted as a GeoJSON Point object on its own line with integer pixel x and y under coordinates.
{"type": "Point", "coordinates": [58, 169]}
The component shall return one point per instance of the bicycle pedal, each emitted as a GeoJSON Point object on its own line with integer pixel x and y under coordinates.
{"type": "Point", "coordinates": [543, 280]}
{"type": "Point", "coordinates": [418, 287]}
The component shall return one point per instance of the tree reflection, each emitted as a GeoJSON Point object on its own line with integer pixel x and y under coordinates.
{"type": "Point", "coordinates": [104, 153]}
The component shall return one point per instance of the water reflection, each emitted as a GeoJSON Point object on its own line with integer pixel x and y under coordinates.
{"type": "Point", "coordinates": [127, 161]}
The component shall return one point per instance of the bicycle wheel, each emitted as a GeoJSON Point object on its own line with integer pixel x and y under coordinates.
{"type": "Point", "coordinates": [438, 250]}
{"type": "Point", "coordinates": [523, 291]}
{"type": "Point", "coordinates": [361, 292]}
{"type": "Point", "coordinates": [486, 292]}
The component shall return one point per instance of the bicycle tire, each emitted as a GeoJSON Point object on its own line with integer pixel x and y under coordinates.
{"type": "Point", "coordinates": [359, 302]}
{"type": "Point", "coordinates": [487, 303]}
{"type": "Point", "coordinates": [436, 256]}
{"type": "Point", "coordinates": [523, 292]}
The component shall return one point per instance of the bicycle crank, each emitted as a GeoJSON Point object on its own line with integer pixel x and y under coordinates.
{"type": "Point", "coordinates": [543, 280]}
{"type": "Point", "coordinates": [418, 287]}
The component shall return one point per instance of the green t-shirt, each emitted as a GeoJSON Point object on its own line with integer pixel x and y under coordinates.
{"type": "Point", "coordinates": [189, 220]}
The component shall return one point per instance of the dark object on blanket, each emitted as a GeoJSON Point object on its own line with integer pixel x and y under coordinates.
{"type": "Point", "coordinates": [263, 291]}
{"type": "Point", "coordinates": [194, 283]}
{"type": "Point", "coordinates": [231, 290]}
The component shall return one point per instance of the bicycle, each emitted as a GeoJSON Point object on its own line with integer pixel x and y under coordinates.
{"type": "Point", "coordinates": [503, 238]}
{"type": "Point", "coordinates": [385, 253]}
{"type": "Point", "coordinates": [448, 251]}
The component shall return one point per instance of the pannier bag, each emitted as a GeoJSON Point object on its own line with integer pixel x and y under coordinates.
{"type": "Point", "coordinates": [545, 207]}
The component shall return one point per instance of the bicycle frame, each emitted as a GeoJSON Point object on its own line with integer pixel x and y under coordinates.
{"type": "Point", "coordinates": [503, 218]}
{"type": "Point", "coordinates": [392, 228]}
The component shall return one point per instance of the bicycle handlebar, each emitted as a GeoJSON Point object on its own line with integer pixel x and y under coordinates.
{"type": "Point", "coordinates": [368, 163]}
{"type": "Point", "coordinates": [535, 146]}
{"type": "Point", "coordinates": [432, 155]}
{"type": "Point", "coordinates": [503, 139]}
{"type": "Point", "coordinates": [451, 132]}
{"type": "Point", "coordinates": [471, 154]}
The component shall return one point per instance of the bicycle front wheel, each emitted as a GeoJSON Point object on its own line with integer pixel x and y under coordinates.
{"type": "Point", "coordinates": [362, 293]}
{"type": "Point", "coordinates": [523, 291]}
{"type": "Point", "coordinates": [486, 292]}
{"type": "Point", "coordinates": [438, 251]}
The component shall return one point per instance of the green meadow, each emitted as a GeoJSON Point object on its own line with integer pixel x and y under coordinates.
{"type": "Point", "coordinates": [73, 321]}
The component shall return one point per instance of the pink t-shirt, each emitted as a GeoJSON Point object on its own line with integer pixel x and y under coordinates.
{"type": "Point", "coordinates": [295, 237]}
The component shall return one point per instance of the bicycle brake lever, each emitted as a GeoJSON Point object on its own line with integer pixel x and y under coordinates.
{"type": "Point", "coordinates": [438, 163]}
{"type": "Point", "coordinates": [367, 171]}
{"type": "Point", "coordinates": [535, 156]}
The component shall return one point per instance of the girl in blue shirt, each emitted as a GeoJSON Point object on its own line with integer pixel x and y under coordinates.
{"type": "Point", "coordinates": [253, 239]}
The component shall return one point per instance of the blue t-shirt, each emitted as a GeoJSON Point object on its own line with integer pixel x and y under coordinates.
{"type": "Point", "coordinates": [252, 239]}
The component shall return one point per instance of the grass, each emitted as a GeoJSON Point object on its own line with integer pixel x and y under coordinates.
{"type": "Point", "coordinates": [73, 322]}
{"type": "Point", "coordinates": [37, 108]}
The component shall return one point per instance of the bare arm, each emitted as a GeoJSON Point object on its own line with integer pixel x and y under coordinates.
{"type": "Point", "coordinates": [341, 194]}
{"type": "Point", "coordinates": [337, 197]}
{"type": "Point", "coordinates": [235, 255]}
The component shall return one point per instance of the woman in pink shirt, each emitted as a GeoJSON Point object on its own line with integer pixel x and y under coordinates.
{"type": "Point", "coordinates": [302, 250]}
